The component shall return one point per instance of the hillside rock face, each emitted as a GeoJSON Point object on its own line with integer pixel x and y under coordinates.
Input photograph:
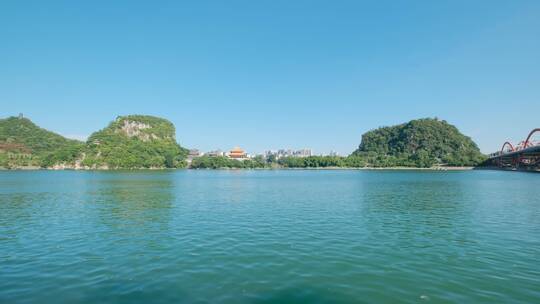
{"type": "Point", "coordinates": [418, 143]}
{"type": "Point", "coordinates": [23, 144]}
{"type": "Point", "coordinates": [133, 128]}
{"type": "Point", "coordinates": [134, 141]}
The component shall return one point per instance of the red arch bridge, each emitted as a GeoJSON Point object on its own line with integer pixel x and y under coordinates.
{"type": "Point", "coordinates": [523, 156]}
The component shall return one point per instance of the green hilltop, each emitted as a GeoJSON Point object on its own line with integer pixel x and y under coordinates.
{"type": "Point", "coordinates": [24, 144]}
{"type": "Point", "coordinates": [419, 143]}
{"type": "Point", "coordinates": [135, 141]}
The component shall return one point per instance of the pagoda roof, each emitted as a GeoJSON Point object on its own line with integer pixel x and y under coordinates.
{"type": "Point", "coordinates": [237, 150]}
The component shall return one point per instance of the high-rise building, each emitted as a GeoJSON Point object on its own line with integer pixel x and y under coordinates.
{"type": "Point", "coordinates": [303, 153]}
{"type": "Point", "coordinates": [288, 153]}
{"type": "Point", "coordinates": [215, 153]}
{"type": "Point", "coordinates": [333, 153]}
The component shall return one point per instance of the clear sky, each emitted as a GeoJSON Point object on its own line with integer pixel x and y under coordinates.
{"type": "Point", "coordinates": [271, 74]}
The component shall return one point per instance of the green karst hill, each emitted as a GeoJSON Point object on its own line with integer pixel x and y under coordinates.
{"type": "Point", "coordinates": [129, 142]}
{"type": "Point", "coordinates": [134, 141]}
{"type": "Point", "coordinates": [23, 144]}
{"type": "Point", "coordinates": [419, 143]}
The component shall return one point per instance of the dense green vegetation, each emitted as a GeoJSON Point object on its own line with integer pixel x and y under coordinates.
{"type": "Point", "coordinates": [322, 162]}
{"type": "Point", "coordinates": [23, 144]}
{"type": "Point", "coordinates": [418, 143]}
{"type": "Point", "coordinates": [221, 162]}
{"type": "Point", "coordinates": [135, 141]}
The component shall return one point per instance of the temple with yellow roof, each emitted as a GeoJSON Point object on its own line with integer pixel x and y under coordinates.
{"type": "Point", "coordinates": [237, 153]}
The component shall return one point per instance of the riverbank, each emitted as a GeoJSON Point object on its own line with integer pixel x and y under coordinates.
{"type": "Point", "coordinates": [248, 169]}
{"type": "Point", "coordinates": [523, 169]}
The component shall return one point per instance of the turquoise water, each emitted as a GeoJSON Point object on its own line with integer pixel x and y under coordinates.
{"type": "Point", "coordinates": [269, 237]}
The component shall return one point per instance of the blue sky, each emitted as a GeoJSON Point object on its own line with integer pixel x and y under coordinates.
{"type": "Point", "coordinates": [271, 74]}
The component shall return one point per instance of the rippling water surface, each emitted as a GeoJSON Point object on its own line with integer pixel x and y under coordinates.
{"type": "Point", "coordinates": [269, 237]}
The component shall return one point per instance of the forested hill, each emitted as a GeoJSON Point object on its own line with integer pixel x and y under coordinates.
{"type": "Point", "coordinates": [135, 141]}
{"type": "Point", "coordinates": [418, 143]}
{"type": "Point", "coordinates": [129, 142]}
{"type": "Point", "coordinates": [24, 144]}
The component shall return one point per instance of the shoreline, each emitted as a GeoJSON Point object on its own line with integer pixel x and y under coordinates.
{"type": "Point", "coordinates": [253, 169]}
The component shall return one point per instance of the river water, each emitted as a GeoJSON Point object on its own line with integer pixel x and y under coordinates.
{"type": "Point", "coordinates": [283, 236]}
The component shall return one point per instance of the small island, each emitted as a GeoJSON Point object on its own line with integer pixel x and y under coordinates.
{"type": "Point", "coordinates": [148, 142]}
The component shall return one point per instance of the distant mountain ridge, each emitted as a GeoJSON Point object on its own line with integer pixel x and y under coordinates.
{"type": "Point", "coordinates": [418, 143]}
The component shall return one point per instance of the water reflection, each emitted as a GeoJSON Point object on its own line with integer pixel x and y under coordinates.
{"type": "Point", "coordinates": [133, 200]}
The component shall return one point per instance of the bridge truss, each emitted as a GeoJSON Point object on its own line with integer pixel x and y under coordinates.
{"type": "Point", "coordinates": [523, 156]}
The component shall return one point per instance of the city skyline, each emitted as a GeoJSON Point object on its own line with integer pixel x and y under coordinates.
{"type": "Point", "coordinates": [281, 74]}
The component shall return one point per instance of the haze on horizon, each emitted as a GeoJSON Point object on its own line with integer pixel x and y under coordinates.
{"type": "Point", "coordinates": [279, 74]}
